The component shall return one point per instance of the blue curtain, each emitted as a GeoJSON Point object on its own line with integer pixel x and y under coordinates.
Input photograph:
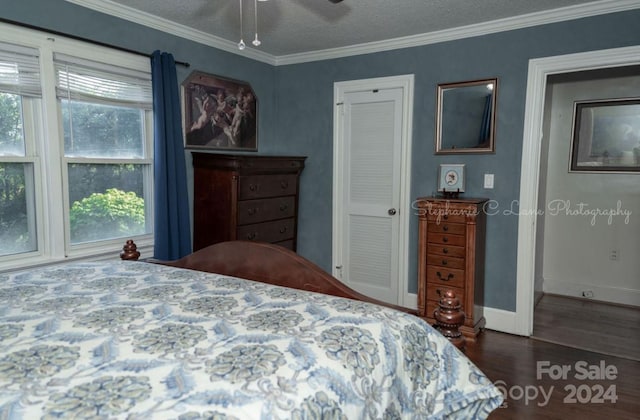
{"type": "Point", "coordinates": [172, 226]}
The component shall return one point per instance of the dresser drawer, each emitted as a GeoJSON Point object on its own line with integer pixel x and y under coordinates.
{"type": "Point", "coordinates": [434, 292]}
{"type": "Point", "coordinates": [452, 228]}
{"type": "Point", "coordinates": [262, 186]}
{"type": "Point", "coordinates": [287, 244]}
{"type": "Point", "coordinates": [447, 239]}
{"type": "Point", "coordinates": [445, 261]}
{"type": "Point", "coordinates": [276, 231]}
{"type": "Point", "coordinates": [448, 250]}
{"type": "Point", "coordinates": [255, 211]}
{"type": "Point", "coordinates": [432, 305]}
{"type": "Point", "coordinates": [451, 277]}
{"type": "Point", "coordinates": [441, 215]}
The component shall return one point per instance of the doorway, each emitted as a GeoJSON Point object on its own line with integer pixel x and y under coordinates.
{"type": "Point", "coordinates": [371, 206]}
{"type": "Point", "coordinates": [539, 71]}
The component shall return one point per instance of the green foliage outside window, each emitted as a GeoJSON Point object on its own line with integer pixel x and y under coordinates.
{"type": "Point", "coordinates": [114, 213]}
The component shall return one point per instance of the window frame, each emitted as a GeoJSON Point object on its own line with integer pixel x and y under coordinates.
{"type": "Point", "coordinates": [51, 183]}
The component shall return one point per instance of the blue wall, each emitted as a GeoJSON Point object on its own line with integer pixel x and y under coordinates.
{"type": "Point", "coordinates": [296, 110]}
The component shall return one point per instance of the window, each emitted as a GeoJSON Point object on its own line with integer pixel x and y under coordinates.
{"type": "Point", "coordinates": [75, 149]}
{"type": "Point", "coordinates": [20, 98]}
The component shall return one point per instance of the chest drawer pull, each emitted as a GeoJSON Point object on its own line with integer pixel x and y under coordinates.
{"type": "Point", "coordinates": [251, 211]}
{"type": "Point", "coordinates": [445, 250]}
{"type": "Point", "coordinates": [283, 229]}
{"type": "Point", "coordinates": [283, 207]}
{"type": "Point", "coordinates": [284, 185]}
{"type": "Point", "coordinates": [445, 239]}
{"type": "Point", "coordinates": [445, 228]}
{"type": "Point", "coordinates": [444, 262]}
{"type": "Point", "coordinates": [254, 187]}
{"type": "Point", "coordinates": [445, 217]}
{"type": "Point", "coordinates": [449, 276]}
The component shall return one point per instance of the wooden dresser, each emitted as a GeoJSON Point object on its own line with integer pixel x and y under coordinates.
{"type": "Point", "coordinates": [245, 197]}
{"type": "Point", "coordinates": [451, 243]}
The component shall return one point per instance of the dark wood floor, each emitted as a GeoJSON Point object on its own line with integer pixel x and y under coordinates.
{"type": "Point", "coordinates": [513, 360]}
{"type": "Point", "coordinates": [588, 325]}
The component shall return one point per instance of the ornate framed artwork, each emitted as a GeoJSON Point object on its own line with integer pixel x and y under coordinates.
{"type": "Point", "coordinates": [606, 136]}
{"type": "Point", "coordinates": [451, 178]}
{"type": "Point", "coordinates": [219, 113]}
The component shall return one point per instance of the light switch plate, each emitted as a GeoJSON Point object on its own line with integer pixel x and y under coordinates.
{"type": "Point", "coordinates": [488, 181]}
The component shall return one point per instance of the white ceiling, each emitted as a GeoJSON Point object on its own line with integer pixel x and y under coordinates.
{"type": "Point", "coordinates": [297, 27]}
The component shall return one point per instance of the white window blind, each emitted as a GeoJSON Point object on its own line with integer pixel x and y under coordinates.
{"type": "Point", "coordinates": [86, 80]}
{"type": "Point", "coordinates": [19, 70]}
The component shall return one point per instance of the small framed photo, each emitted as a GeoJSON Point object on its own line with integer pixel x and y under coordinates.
{"type": "Point", "coordinates": [219, 113]}
{"type": "Point", "coordinates": [606, 136]}
{"type": "Point", "coordinates": [451, 178]}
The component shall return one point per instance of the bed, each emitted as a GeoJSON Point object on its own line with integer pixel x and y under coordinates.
{"type": "Point", "coordinates": [196, 339]}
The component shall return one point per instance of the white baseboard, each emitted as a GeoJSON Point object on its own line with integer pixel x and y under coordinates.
{"type": "Point", "coordinates": [601, 293]}
{"type": "Point", "coordinates": [500, 320]}
{"type": "Point", "coordinates": [410, 301]}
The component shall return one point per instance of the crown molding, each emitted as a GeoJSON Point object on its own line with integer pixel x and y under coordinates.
{"type": "Point", "coordinates": [501, 25]}
{"type": "Point", "coordinates": [164, 25]}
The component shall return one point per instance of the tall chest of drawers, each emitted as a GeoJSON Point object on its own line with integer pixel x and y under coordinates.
{"type": "Point", "coordinates": [451, 249]}
{"type": "Point", "coordinates": [243, 197]}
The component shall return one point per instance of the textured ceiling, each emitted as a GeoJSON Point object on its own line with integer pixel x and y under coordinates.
{"type": "Point", "coordinates": [300, 26]}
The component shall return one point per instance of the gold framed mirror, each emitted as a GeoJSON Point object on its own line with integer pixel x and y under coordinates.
{"type": "Point", "coordinates": [466, 117]}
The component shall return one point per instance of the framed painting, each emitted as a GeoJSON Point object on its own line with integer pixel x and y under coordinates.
{"type": "Point", "coordinates": [451, 178]}
{"type": "Point", "coordinates": [219, 113]}
{"type": "Point", "coordinates": [606, 136]}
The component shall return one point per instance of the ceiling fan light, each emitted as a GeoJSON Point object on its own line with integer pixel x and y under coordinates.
{"type": "Point", "coordinates": [241, 45]}
{"type": "Point", "coordinates": [256, 41]}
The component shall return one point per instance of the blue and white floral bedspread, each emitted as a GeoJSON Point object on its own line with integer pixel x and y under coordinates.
{"type": "Point", "coordinates": [143, 341]}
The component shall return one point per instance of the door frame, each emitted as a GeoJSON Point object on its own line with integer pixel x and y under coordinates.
{"type": "Point", "coordinates": [539, 69]}
{"type": "Point", "coordinates": [406, 83]}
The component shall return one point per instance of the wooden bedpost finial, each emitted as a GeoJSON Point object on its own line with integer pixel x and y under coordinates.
{"type": "Point", "coordinates": [130, 251]}
{"type": "Point", "coordinates": [449, 317]}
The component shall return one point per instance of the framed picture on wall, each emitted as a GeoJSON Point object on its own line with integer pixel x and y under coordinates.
{"type": "Point", "coordinates": [606, 136]}
{"type": "Point", "coordinates": [451, 178]}
{"type": "Point", "coordinates": [219, 113]}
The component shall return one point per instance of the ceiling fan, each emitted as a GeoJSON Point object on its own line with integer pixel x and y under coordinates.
{"type": "Point", "coordinates": [256, 42]}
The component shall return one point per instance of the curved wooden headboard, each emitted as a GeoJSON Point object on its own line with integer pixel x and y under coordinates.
{"type": "Point", "coordinates": [266, 263]}
{"type": "Point", "coordinates": [273, 264]}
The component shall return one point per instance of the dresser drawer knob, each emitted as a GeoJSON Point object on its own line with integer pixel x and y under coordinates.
{"type": "Point", "coordinates": [444, 262]}
{"type": "Point", "coordinates": [445, 228]}
{"type": "Point", "coordinates": [445, 217]}
{"type": "Point", "coordinates": [445, 239]}
{"type": "Point", "coordinates": [449, 276]}
{"type": "Point", "coordinates": [445, 250]}
{"type": "Point", "coordinates": [283, 229]}
{"type": "Point", "coordinates": [283, 207]}
{"type": "Point", "coordinates": [254, 187]}
{"type": "Point", "coordinates": [252, 211]}
{"type": "Point", "coordinates": [251, 236]}
{"type": "Point", "coordinates": [284, 184]}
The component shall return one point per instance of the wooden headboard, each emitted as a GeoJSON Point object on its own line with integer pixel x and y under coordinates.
{"type": "Point", "coordinates": [273, 264]}
{"type": "Point", "coordinates": [266, 263]}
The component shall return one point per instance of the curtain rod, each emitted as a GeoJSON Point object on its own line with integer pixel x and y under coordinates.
{"type": "Point", "coordinates": [79, 38]}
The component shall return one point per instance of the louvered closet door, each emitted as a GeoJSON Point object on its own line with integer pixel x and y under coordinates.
{"type": "Point", "coordinates": [372, 123]}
